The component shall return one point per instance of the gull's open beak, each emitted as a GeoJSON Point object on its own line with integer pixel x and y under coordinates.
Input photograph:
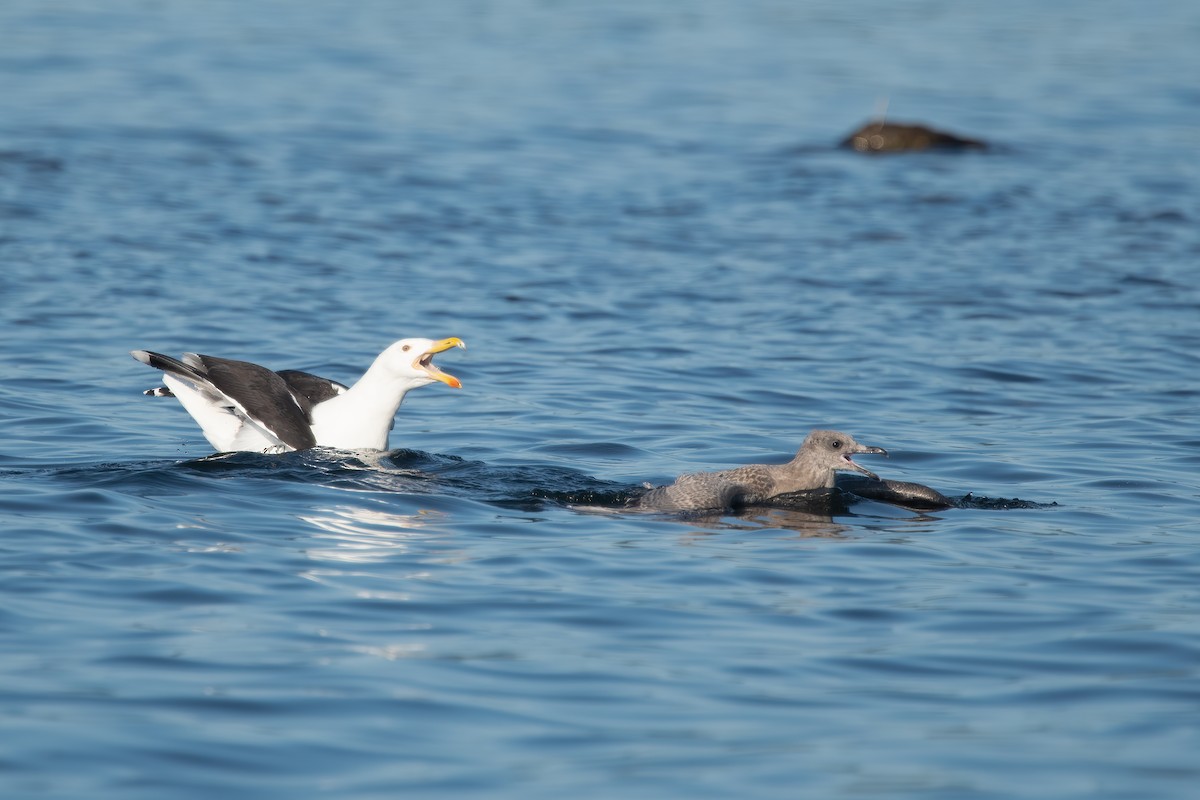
{"type": "Point", "coordinates": [863, 449]}
{"type": "Point", "coordinates": [425, 361]}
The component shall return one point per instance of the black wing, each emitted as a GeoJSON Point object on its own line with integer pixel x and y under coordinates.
{"type": "Point", "coordinates": [263, 396]}
{"type": "Point", "coordinates": [313, 387]}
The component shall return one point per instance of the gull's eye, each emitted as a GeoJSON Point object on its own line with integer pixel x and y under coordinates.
{"type": "Point", "coordinates": [836, 444]}
{"type": "Point", "coordinates": [406, 348]}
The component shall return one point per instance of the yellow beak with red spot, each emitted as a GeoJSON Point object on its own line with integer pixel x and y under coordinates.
{"type": "Point", "coordinates": [425, 361]}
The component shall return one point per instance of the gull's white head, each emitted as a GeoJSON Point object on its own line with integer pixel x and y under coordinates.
{"type": "Point", "coordinates": [412, 360]}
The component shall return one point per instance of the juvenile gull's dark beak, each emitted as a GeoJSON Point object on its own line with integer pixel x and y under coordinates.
{"type": "Point", "coordinates": [863, 450]}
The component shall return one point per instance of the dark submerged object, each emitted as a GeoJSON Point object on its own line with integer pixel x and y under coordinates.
{"type": "Point", "coordinates": [916, 496]}
{"type": "Point", "coordinates": [879, 136]}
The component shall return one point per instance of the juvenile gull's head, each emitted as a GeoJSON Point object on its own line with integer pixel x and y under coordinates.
{"type": "Point", "coordinates": [833, 451]}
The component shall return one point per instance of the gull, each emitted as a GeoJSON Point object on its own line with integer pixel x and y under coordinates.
{"type": "Point", "coordinates": [245, 406]}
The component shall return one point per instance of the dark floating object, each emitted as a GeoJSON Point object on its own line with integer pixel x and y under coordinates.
{"type": "Point", "coordinates": [915, 496]}
{"type": "Point", "coordinates": [970, 500]}
{"type": "Point", "coordinates": [879, 136]}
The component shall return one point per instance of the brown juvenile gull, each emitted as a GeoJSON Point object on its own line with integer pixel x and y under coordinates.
{"type": "Point", "coordinates": [822, 455]}
{"type": "Point", "coordinates": [244, 406]}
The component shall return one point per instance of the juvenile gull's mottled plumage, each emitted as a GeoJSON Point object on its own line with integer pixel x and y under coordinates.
{"type": "Point", "coordinates": [244, 406]}
{"type": "Point", "coordinates": [820, 457]}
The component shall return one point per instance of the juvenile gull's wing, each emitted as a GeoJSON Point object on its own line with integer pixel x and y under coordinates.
{"type": "Point", "coordinates": [697, 491]}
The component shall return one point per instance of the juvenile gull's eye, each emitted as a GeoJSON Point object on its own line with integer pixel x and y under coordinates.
{"type": "Point", "coordinates": [836, 444]}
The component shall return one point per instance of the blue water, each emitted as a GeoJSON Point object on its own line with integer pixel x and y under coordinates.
{"type": "Point", "coordinates": [634, 215]}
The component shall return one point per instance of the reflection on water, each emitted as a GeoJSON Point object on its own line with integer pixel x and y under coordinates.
{"type": "Point", "coordinates": [360, 535]}
{"type": "Point", "coordinates": [807, 524]}
{"type": "Point", "coordinates": [393, 652]}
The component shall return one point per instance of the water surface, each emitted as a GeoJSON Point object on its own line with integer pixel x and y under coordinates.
{"type": "Point", "coordinates": [635, 216]}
